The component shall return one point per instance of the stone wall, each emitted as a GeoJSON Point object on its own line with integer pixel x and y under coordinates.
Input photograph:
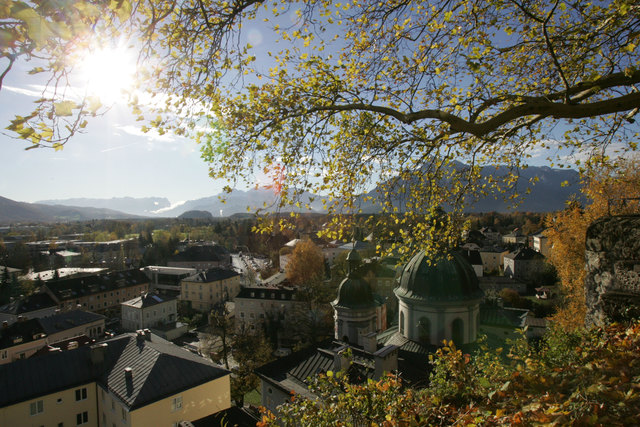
{"type": "Point", "coordinates": [612, 284]}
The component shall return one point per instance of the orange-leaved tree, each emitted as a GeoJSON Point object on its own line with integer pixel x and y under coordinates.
{"type": "Point", "coordinates": [609, 190]}
{"type": "Point", "coordinates": [306, 264]}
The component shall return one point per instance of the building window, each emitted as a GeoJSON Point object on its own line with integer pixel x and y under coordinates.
{"type": "Point", "coordinates": [36, 407]}
{"type": "Point", "coordinates": [82, 418]}
{"type": "Point", "coordinates": [81, 394]}
{"type": "Point", "coordinates": [124, 414]}
{"type": "Point", "coordinates": [457, 331]}
{"type": "Point", "coordinates": [176, 404]}
{"type": "Point", "coordinates": [4, 355]}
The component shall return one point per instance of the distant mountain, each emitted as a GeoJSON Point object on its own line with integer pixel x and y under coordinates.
{"type": "Point", "coordinates": [550, 193]}
{"type": "Point", "coordinates": [12, 211]}
{"type": "Point", "coordinates": [136, 206]}
{"type": "Point", "coordinates": [547, 195]}
{"type": "Point", "coordinates": [237, 202]}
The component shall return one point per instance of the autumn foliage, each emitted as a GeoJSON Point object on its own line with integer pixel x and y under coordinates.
{"type": "Point", "coordinates": [573, 378]}
{"type": "Point", "coordinates": [306, 264]}
{"type": "Point", "coordinates": [608, 192]}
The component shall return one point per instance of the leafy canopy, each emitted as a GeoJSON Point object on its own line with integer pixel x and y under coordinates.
{"type": "Point", "coordinates": [588, 377]}
{"type": "Point", "coordinates": [613, 190]}
{"type": "Point", "coordinates": [343, 96]}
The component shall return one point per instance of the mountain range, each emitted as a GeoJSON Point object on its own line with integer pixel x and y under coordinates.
{"type": "Point", "coordinates": [553, 189]}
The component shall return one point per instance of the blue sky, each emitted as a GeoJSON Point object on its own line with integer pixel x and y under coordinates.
{"type": "Point", "coordinates": [111, 159]}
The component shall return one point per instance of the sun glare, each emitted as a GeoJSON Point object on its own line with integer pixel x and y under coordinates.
{"type": "Point", "coordinates": [108, 73]}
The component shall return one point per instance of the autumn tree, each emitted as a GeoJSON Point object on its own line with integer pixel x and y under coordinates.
{"type": "Point", "coordinates": [250, 351]}
{"type": "Point", "coordinates": [306, 264]}
{"type": "Point", "coordinates": [409, 97]}
{"type": "Point", "coordinates": [609, 191]}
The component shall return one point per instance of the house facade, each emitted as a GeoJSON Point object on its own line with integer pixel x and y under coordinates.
{"type": "Point", "coordinates": [522, 263]}
{"type": "Point", "coordinates": [209, 288]}
{"type": "Point", "coordinates": [256, 306]}
{"type": "Point", "coordinates": [147, 311]}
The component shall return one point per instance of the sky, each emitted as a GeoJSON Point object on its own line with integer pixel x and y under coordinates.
{"type": "Point", "coordinates": [113, 158]}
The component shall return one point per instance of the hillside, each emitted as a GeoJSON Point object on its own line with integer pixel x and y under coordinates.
{"type": "Point", "coordinates": [12, 211]}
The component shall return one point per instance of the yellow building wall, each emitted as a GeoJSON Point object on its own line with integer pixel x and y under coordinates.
{"type": "Point", "coordinates": [59, 407]}
{"type": "Point", "coordinates": [197, 402]}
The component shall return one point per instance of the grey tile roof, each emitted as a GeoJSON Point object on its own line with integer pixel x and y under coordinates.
{"type": "Point", "coordinates": [524, 254]}
{"type": "Point", "coordinates": [65, 289]}
{"type": "Point", "coordinates": [508, 317]}
{"type": "Point", "coordinates": [159, 369]}
{"type": "Point", "coordinates": [19, 333]}
{"type": "Point", "coordinates": [214, 274]}
{"type": "Point", "coordinates": [202, 253]}
{"type": "Point", "coordinates": [147, 300]}
{"type": "Point", "coordinates": [67, 320]}
{"type": "Point", "coordinates": [28, 304]}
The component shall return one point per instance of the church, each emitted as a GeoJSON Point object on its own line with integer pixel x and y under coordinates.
{"type": "Point", "coordinates": [439, 299]}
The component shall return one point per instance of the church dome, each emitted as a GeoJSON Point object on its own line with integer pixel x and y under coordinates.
{"type": "Point", "coordinates": [444, 279]}
{"type": "Point", "coordinates": [354, 292]}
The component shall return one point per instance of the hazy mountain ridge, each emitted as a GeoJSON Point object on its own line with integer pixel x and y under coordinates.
{"type": "Point", "coordinates": [12, 211]}
{"type": "Point", "coordinates": [547, 195]}
{"type": "Point", "coordinates": [144, 206]}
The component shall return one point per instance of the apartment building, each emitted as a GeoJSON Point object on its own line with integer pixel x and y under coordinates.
{"type": "Point", "coordinates": [100, 293]}
{"type": "Point", "coordinates": [209, 288]}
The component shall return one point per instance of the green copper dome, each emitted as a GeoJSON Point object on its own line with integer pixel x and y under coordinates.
{"type": "Point", "coordinates": [354, 292]}
{"type": "Point", "coordinates": [444, 279]}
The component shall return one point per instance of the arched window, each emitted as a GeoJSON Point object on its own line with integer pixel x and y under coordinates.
{"type": "Point", "coordinates": [402, 322]}
{"type": "Point", "coordinates": [457, 331]}
{"type": "Point", "coordinates": [424, 330]}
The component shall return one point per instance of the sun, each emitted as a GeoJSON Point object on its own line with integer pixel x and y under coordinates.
{"type": "Point", "coordinates": [108, 73]}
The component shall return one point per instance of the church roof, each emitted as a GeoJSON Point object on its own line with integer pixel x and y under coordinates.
{"type": "Point", "coordinates": [443, 278]}
{"type": "Point", "coordinates": [355, 293]}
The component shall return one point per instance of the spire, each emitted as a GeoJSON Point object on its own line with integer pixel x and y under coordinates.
{"type": "Point", "coordinates": [353, 262]}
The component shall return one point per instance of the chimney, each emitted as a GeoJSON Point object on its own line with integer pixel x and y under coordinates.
{"type": "Point", "coordinates": [98, 351]}
{"type": "Point", "coordinates": [128, 373]}
{"type": "Point", "coordinates": [147, 335]}
{"type": "Point", "coordinates": [341, 358]}
{"type": "Point", "coordinates": [386, 360]}
{"type": "Point", "coordinates": [369, 342]}
{"type": "Point", "coordinates": [5, 324]}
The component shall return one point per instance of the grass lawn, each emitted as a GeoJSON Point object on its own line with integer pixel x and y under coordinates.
{"type": "Point", "coordinates": [253, 398]}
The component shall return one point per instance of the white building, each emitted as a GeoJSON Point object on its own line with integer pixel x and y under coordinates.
{"type": "Point", "coordinates": [148, 311]}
